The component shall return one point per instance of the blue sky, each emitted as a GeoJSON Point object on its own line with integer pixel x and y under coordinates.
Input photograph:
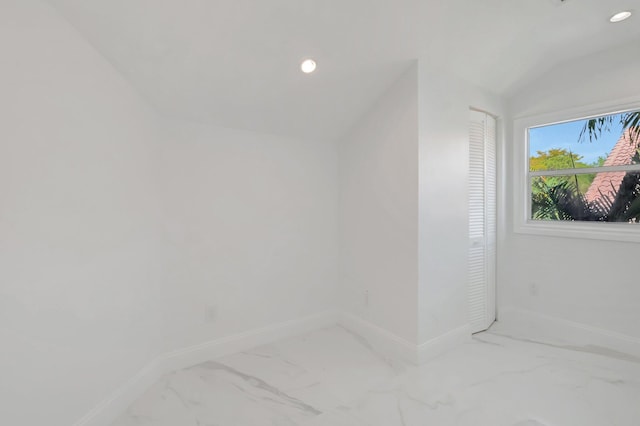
{"type": "Point", "coordinates": [566, 136]}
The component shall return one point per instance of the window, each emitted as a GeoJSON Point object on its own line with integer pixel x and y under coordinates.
{"type": "Point", "coordinates": [581, 177]}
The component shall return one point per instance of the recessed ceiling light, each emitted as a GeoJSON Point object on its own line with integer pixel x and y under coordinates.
{"type": "Point", "coordinates": [619, 17]}
{"type": "Point", "coordinates": [308, 66]}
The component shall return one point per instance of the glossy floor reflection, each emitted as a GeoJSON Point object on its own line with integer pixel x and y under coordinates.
{"type": "Point", "coordinates": [332, 377]}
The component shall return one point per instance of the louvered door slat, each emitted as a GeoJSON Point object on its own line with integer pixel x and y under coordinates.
{"type": "Point", "coordinates": [482, 220]}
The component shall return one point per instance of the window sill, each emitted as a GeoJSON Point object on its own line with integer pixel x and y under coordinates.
{"type": "Point", "coordinates": [624, 232]}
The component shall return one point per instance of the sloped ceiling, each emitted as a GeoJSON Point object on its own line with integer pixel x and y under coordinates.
{"type": "Point", "coordinates": [235, 63]}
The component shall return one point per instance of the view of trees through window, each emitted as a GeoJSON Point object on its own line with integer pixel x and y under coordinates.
{"type": "Point", "coordinates": [586, 170]}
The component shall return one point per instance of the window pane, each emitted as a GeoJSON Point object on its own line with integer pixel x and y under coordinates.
{"type": "Point", "coordinates": [603, 197]}
{"type": "Point", "coordinates": [611, 140]}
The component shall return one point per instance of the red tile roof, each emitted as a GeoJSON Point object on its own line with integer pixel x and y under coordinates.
{"type": "Point", "coordinates": [605, 186]}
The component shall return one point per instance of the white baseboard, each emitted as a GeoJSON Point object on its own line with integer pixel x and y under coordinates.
{"type": "Point", "coordinates": [108, 410]}
{"type": "Point", "coordinates": [383, 341]}
{"type": "Point", "coordinates": [197, 354]}
{"type": "Point", "coordinates": [394, 346]}
{"type": "Point", "coordinates": [536, 326]}
{"type": "Point", "coordinates": [439, 345]}
{"type": "Point", "coordinates": [522, 323]}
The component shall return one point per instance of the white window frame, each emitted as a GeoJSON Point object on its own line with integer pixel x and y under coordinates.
{"type": "Point", "coordinates": [523, 224]}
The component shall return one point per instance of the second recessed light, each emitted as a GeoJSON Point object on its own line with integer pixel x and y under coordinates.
{"type": "Point", "coordinates": [619, 17]}
{"type": "Point", "coordinates": [308, 66]}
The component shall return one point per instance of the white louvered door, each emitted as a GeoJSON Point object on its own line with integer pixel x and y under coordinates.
{"type": "Point", "coordinates": [482, 220]}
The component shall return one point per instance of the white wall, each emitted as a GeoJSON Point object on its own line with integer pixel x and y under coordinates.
{"type": "Point", "coordinates": [378, 212]}
{"type": "Point", "coordinates": [120, 230]}
{"type": "Point", "coordinates": [404, 216]}
{"type": "Point", "coordinates": [586, 281]}
{"type": "Point", "coordinates": [444, 102]}
{"type": "Point", "coordinates": [252, 229]}
{"type": "Point", "coordinates": [79, 223]}
{"type": "Point", "coordinates": [120, 233]}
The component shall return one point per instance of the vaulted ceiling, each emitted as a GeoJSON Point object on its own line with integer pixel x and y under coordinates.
{"type": "Point", "coordinates": [235, 63]}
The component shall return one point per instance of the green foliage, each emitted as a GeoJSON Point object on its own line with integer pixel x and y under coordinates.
{"type": "Point", "coordinates": [546, 197]}
{"type": "Point", "coordinates": [561, 201]}
{"type": "Point", "coordinates": [555, 159]}
{"type": "Point", "coordinates": [599, 162]}
{"type": "Point", "coordinates": [559, 159]}
{"type": "Point", "coordinates": [593, 128]}
{"type": "Point", "coordinates": [562, 197]}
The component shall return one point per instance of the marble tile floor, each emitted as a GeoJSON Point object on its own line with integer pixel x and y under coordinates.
{"type": "Point", "coordinates": [332, 377]}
